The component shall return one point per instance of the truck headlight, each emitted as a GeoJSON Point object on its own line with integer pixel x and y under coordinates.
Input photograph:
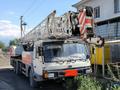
{"type": "Point", "coordinates": [45, 74]}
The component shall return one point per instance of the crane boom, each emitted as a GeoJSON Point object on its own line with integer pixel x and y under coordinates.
{"type": "Point", "coordinates": [70, 24]}
{"type": "Point", "coordinates": [52, 26]}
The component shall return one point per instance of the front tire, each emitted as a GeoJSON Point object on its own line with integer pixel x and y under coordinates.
{"type": "Point", "coordinates": [33, 83]}
{"type": "Point", "coordinates": [17, 68]}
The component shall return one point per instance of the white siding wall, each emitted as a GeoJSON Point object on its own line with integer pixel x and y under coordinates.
{"type": "Point", "coordinates": [106, 9]}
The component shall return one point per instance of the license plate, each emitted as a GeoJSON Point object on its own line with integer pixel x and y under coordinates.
{"type": "Point", "coordinates": [50, 75]}
{"type": "Point", "coordinates": [71, 73]}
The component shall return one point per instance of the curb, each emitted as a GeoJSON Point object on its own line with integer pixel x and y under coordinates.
{"type": "Point", "coordinates": [6, 67]}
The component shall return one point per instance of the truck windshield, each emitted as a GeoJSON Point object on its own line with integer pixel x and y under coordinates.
{"type": "Point", "coordinates": [63, 51]}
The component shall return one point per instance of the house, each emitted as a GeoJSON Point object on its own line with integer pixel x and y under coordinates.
{"type": "Point", "coordinates": [106, 16]}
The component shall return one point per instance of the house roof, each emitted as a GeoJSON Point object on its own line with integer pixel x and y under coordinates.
{"type": "Point", "coordinates": [80, 3]}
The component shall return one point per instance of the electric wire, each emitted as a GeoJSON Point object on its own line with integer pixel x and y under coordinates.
{"type": "Point", "coordinates": [35, 9]}
{"type": "Point", "coordinates": [30, 7]}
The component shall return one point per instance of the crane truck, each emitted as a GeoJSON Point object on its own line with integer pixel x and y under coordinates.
{"type": "Point", "coordinates": [57, 47]}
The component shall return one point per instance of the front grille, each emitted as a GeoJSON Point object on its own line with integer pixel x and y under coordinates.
{"type": "Point", "coordinates": [61, 73]}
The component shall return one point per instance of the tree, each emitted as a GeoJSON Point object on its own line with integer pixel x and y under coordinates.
{"type": "Point", "coordinates": [13, 42]}
{"type": "Point", "coordinates": [2, 45]}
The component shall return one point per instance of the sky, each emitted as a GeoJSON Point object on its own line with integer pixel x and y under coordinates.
{"type": "Point", "coordinates": [33, 12]}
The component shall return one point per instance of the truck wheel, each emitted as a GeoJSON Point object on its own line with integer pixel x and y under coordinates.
{"type": "Point", "coordinates": [14, 69]}
{"type": "Point", "coordinates": [17, 68]}
{"type": "Point", "coordinates": [33, 83]}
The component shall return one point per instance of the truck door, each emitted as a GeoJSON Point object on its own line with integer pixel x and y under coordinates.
{"type": "Point", "coordinates": [38, 62]}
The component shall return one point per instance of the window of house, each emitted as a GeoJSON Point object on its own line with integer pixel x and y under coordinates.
{"type": "Point", "coordinates": [116, 6]}
{"type": "Point", "coordinates": [97, 12]}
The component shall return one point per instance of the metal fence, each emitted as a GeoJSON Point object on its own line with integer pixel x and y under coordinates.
{"type": "Point", "coordinates": [109, 31]}
{"type": "Point", "coordinates": [115, 52]}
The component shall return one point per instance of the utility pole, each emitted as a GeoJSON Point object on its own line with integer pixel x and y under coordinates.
{"type": "Point", "coordinates": [21, 23]}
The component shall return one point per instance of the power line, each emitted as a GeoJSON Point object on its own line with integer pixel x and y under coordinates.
{"type": "Point", "coordinates": [34, 10]}
{"type": "Point", "coordinates": [30, 7]}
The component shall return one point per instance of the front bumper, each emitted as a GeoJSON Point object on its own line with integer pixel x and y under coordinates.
{"type": "Point", "coordinates": [54, 74]}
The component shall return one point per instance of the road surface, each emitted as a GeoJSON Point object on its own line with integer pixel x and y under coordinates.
{"type": "Point", "coordinates": [10, 81]}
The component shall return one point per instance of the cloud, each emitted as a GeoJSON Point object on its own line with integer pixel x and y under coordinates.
{"type": "Point", "coordinates": [8, 29]}
{"type": "Point", "coordinates": [11, 13]}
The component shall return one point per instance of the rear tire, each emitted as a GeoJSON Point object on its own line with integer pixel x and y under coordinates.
{"type": "Point", "coordinates": [17, 68]}
{"type": "Point", "coordinates": [33, 83]}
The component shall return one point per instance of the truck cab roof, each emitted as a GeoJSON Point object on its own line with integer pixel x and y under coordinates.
{"type": "Point", "coordinates": [72, 40]}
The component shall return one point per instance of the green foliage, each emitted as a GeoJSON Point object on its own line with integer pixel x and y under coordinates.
{"type": "Point", "coordinates": [71, 84]}
{"type": "Point", "coordinates": [88, 83]}
{"type": "Point", "coordinates": [2, 45]}
{"type": "Point", "coordinates": [13, 42]}
{"type": "Point", "coordinates": [83, 83]}
{"type": "Point", "coordinates": [5, 49]}
{"type": "Point", "coordinates": [115, 87]}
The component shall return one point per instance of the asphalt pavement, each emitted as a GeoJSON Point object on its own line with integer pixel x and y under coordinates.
{"type": "Point", "coordinates": [10, 81]}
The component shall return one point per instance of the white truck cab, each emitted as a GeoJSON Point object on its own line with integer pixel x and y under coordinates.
{"type": "Point", "coordinates": [51, 59]}
{"type": "Point", "coordinates": [60, 58]}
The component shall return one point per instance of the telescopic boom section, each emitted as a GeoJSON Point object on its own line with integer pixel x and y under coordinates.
{"type": "Point", "coordinates": [51, 27]}
{"type": "Point", "coordinates": [70, 24]}
{"type": "Point", "coordinates": [86, 27]}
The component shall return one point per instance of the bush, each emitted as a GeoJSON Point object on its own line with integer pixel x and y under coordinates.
{"type": "Point", "coordinates": [115, 86]}
{"type": "Point", "coordinates": [2, 45]}
{"type": "Point", "coordinates": [88, 83]}
{"type": "Point", "coordinates": [83, 83]}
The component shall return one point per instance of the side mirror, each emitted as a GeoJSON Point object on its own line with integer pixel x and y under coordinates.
{"type": "Point", "coordinates": [87, 56]}
{"type": "Point", "coordinates": [40, 51]}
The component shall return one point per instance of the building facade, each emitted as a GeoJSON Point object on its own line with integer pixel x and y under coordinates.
{"type": "Point", "coordinates": [106, 16]}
